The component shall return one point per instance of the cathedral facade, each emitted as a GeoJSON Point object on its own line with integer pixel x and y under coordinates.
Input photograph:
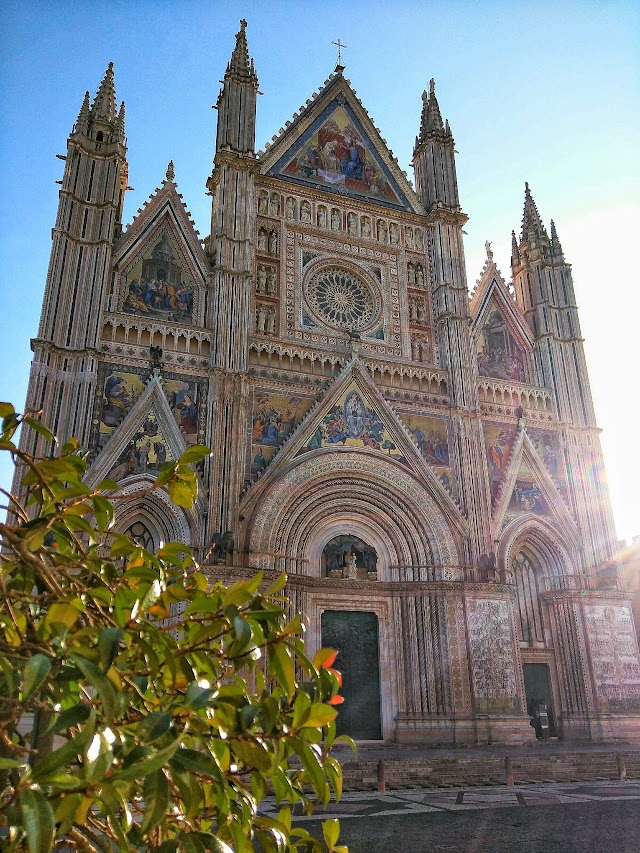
{"type": "Point", "coordinates": [423, 463]}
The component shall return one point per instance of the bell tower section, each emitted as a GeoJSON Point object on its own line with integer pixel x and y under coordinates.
{"type": "Point", "coordinates": [437, 188]}
{"type": "Point", "coordinates": [233, 212]}
{"type": "Point", "coordinates": [64, 369]}
{"type": "Point", "coordinates": [544, 291]}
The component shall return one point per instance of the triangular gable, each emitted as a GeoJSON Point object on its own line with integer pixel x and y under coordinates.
{"type": "Point", "coordinates": [529, 489]}
{"type": "Point", "coordinates": [163, 224]}
{"type": "Point", "coordinates": [491, 287]}
{"type": "Point", "coordinates": [334, 145]}
{"type": "Point", "coordinates": [502, 337]}
{"type": "Point", "coordinates": [354, 415]}
{"type": "Point", "coordinates": [147, 436]}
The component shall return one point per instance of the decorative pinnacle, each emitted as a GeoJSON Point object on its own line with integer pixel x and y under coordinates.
{"type": "Point", "coordinates": [239, 64]}
{"type": "Point", "coordinates": [82, 122]}
{"type": "Point", "coordinates": [556, 247]}
{"type": "Point", "coordinates": [531, 220]}
{"type": "Point", "coordinates": [171, 174]}
{"type": "Point", "coordinates": [104, 104]}
{"type": "Point", "coordinates": [430, 119]}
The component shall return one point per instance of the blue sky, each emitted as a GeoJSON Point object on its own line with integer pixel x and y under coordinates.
{"type": "Point", "coordinates": [544, 92]}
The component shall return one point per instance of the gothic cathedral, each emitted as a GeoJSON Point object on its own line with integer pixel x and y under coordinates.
{"type": "Point", "coordinates": [423, 463]}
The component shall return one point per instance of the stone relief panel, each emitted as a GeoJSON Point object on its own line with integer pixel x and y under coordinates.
{"type": "Point", "coordinates": [614, 658]}
{"type": "Point", "coordinates": [275, 417]}
{"type": "Point", "coordinates": [158, 287]}
{"type": "Point", "coordinates": [492, 657]}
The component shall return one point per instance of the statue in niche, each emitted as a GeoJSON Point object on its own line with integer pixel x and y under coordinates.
{"type": "Point", "coordinates": [322, 217]}
{"type": "Point", "coordinates": [262, 240]}
{"type": "Point", "coordinates": [271, 281]}
{"type": "Point", "coordinates": [274, 205]}
{"type": "Point", "coordinates": [419, 243]}
{"type": "Point", "coordinates": [349, 556]}
{"type": "Point", "coordinates": [365, 226]}
{"type": "Point", "coordinates": [273, 242]}
{"type": "Point", "coordinates": [419, 276]}
{"type": "Point", "coordinates": [382, 231]}
{"type": "Point", "coordinates": [336, 220]}
{"type": "Point", "coordinates": [155, 354]}
{"type": "Point", "coordinates": [350, 565]}
{"type": "Point", "coordinates": [352, 223]}
{"type": "Point", "coordinates": [290, 208]}
{"type": "Point", "coordinates": [263, 203]}
{"type": "Point", "coordinates": [305, 212]}
{"type": "Point", "coordinates": [262, 279]}
{"type": "Point", "coordinates": [408, 237]}
{"type": "Point", "coordinates": [394, 233]}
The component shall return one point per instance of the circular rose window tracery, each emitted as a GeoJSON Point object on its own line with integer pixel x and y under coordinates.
{"type": "Point", "coordinates": [341, 299]}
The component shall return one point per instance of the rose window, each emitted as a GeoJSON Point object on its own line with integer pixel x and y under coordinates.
{"type": "Point", "coordinates": [341, 299]}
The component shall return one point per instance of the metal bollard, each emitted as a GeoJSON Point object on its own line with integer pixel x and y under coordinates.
{"type": "Point", "coordinates": [508, 769]}
{"type": "Point", "coordinates": [622, 770]}
{"type": "Point", "coordinates": [381, 783]}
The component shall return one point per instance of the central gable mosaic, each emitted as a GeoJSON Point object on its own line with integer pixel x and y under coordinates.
{"type": "Point", "coordinates": [159, 287]}
{"type": "Point", "coordinates": [335, 152]}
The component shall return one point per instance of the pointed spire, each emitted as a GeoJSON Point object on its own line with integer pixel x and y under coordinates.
{"type": "Point", "coordinates": [531, 220]}
{"type": "Point", "coordinates": [104, 104]}
{"type": "Point", "coordinates": [239, 64]}
{"type": "Point", "coordinates": [82, 122]}
{"type": "Point", "coordinates": [515, 251]}
{"type": "Point", "coordinates": [120, 120]}
{"type": "Point", "coordinates": [431, 119]}
{"type": "Point", "coordinates": [171, 174]}
{"type": "Point", "coordinates": [556, 248]}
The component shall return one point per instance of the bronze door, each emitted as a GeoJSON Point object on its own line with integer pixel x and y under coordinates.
{"type": "Point", "coordinates": [354, 634]}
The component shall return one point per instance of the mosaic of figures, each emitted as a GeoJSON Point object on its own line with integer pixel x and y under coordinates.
{"type": "Point", "coordinates": [547, 447]}
{"type": "Point", "coordinates": [122, 388]}
{"type": "Point", "coordinates": [337, 153]}
{"type": "Point", "coordinates": [527, 495]}
{"type": "Point", "coordinates": [352, 423]}
{"type": "Point", "coordinates": [499, 439]}
{"type": "Point", "coordinates": [158, 287]}
{"type": "Point", "coordinates": [146, 451]}
{"type": "Point", "coordinates": [614, 657]}
{"type": "Point", "coordinates": [499, 356]}
{"type": "Point", "coordinates": [430, 434]}
{"type": "Point", "coordinates": [275, 417]}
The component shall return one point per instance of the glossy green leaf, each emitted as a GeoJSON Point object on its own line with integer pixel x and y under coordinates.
{"type": "Point", "coordinates": [96, 679]}
{"type": "Point", "coordinates": [68, 752]}
{"type": "Point", "coordinates": [320, 715]}
{"type": "Point", "coordinates": [155, 793]}
{"type": "Point", "coordinates": [37, 820]}
{"type": "Point", "coordinates": [194, 454]}
{"type": "Point", "coordinates": [282, 667]}
{"type": "Point", "coordinates": [34, 675]}
{"type": "Point", "coordinates": [109, 641]}
{"type": "Point", "coordinates": [330, 831]}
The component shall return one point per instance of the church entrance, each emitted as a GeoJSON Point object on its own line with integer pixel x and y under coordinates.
{"type": "Point", "coordinates": [355, 635]}
{"type": "Point", "coordinates": [537, 689]}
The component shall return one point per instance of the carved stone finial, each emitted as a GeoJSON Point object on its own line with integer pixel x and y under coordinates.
{"type": "Point", "coordinates": [432, 86]}
{"type": "Point", "coordinates": [487, 246]}
{"type": "Point", "coordinates": [171, 174]}
{"type": "Point", "coordinates": [243, 24]}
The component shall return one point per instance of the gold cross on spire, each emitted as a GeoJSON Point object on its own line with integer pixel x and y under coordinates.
{"type": "Point", "coordinates": [339, 45]}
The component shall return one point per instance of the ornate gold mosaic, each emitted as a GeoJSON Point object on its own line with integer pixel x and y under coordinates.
{"type": "Point", "coordinates": [341, 299]}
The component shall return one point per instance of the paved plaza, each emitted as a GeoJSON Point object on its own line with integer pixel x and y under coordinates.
{"type": "Point", "coordinates": [571, 817]}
